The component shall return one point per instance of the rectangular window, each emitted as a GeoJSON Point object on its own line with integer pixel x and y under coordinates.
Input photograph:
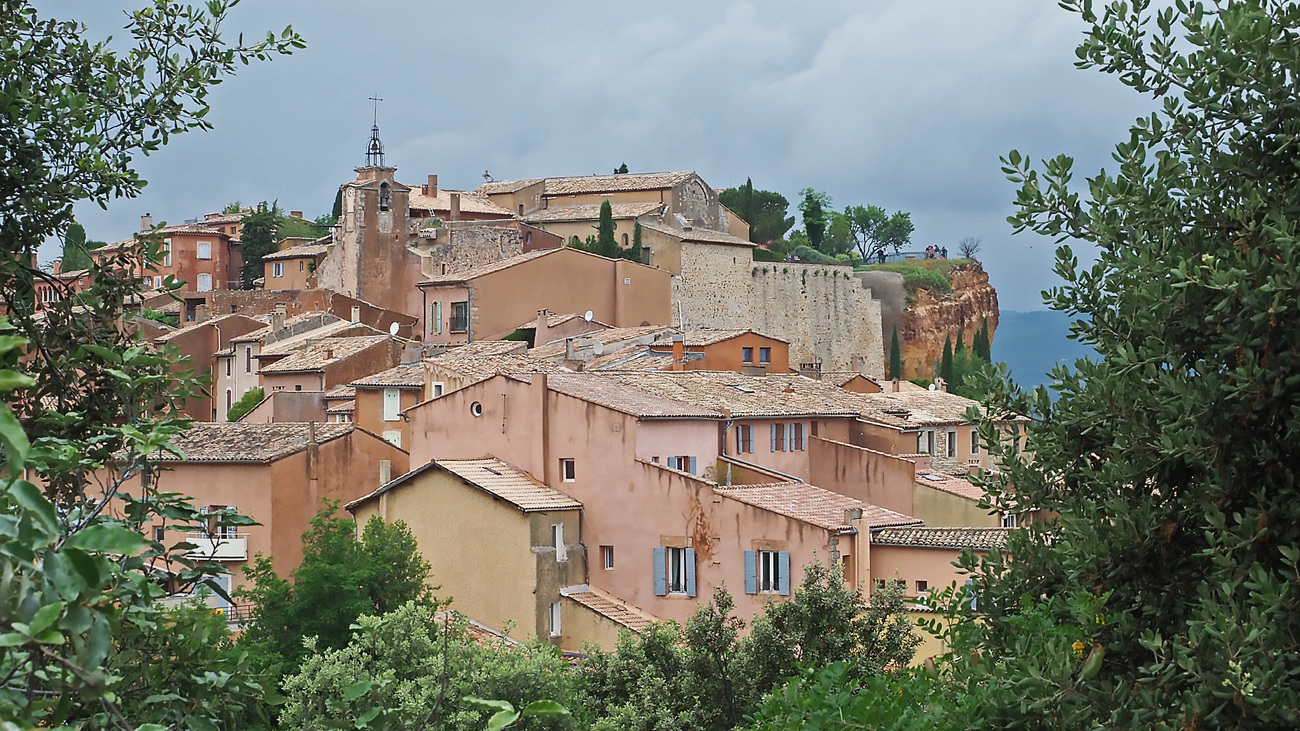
{"type": "Point", "coordinates": [764, 355]}
{"type": "Point", "coordinates": [277, 269]}
{"type": "Point", "coordinates": [925, 441]}
{"type": "Point", "coordinates": [302, 266]}
{"type": "Point", "coordinates": [157, 281]}
{"type": "Point", "coordinates": [392, 404]}
{"type": "Point", "coordinates": [459, 317]}
{"type": "Point", "coordinates": [554, 624]}
{"type": "Point", "coordinates": [744, 439]}
{"type": "Point", "coordinates": [230, 365]}
{"type": "Point", "coordinates": [167, 252]}
{"type": "Point", "coordinates": [568, 470]}
{"type": "Point", "coordinates": [951, 449]}
{"type": "Point", "coordinates": [778, 437]}
{"type": "Point", "coordinates": [747, 355]}
{"type": "Point", "coordinates": [205, 250]}
{"type": "Point", "coordinates": [922, 587]}
{"type": "Point", "coordinates": [248, 359]}
{"type": "Point", "coordinates": [229, 398]}
{"type": "Point", "coordinates": [974, 441]}
{"type": "Point", "coordinates": [674, 571]}
{"type": "Point", "coordinates": [767, 572]}
{"type": "Point", "coordinates": [796, 438]}
{"type": "Point", "coordinates": [437, 388]}
{"type": "Point", "coordinates": [557, 541]}
{"type": "Point", "coordinates": [1010, 520]}
{"type": "Point", "coordinates": [159, 533]}
{"type": "Point", "coordinates": [607, 557]}
{"type": "Point", "coordinates": [205, 282]}
{"type": "Point", "coordinates": [435, 317]}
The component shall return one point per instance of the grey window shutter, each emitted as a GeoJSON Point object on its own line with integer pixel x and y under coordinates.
{"type": "Point", "coordinates": [774, 437]}
{"type": "Point", "coordinates": [661, 572]}
{"type": "Point", "coordinates": [784, 580]}
{"type": "Point", "coordinates": [692, 467]}
{"type": "Point", "coordinates": [751, 572]}
{"type": "Point", "coordinates": [690, 572]}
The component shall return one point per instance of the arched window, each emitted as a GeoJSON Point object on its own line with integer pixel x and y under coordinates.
{"type": "Point", "coordinates": [574, 241]}
{"type": "Point", "coordinates": [385, 197]}
{"type": "Point", "coordinates": [624, 241]}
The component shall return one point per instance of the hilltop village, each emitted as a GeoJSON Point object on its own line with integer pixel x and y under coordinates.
{"type": "Point", "coordinates": [580, 444]}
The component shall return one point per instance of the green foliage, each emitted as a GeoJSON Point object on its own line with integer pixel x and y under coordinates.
{"type": "Point", "coordinates": [895, 356]}
{"type": "Point", "coordinates": [293, 227]}
{"type": "Point", "coordinates": [1170, 457]}
{"type": "Point", "coordinates": [872, 230]}
{"type": "Point", "coordinates": [258, 238]}
{"type": "Point", "coordinates": [621, 169]}
{"type": "Point", "coordinates": [413, 668]}
{"type": "Point", "coordinates": [159, 316]}
{"type": "Point", "coordinates": [75, 253]}
{"type": "Point", "coordinates": [637, 246]}
{"type": "Point", "coordinates": [763, 210]}
{"type": "Point", "coordinates": [93, 408]}
{"type": "Point", "coordinates": [815, 220]}
{"type": "Point", "coordinates": [340, 579]}
{"type": "Point", "coordinates": [707, 676]}
{"type": "Point", "coordinates": [982, 347]}
{"type": "Point", "coordinates": [813, 256]}
{"type": "Point", "coordinates": [766, 255]}
{"type": "Point", "coordinates": [837, 698]}
{"type": "Point", "coordinates": [233, 207]}
{"type": "Point", "coordinates": [246, 403]}
{"type": "Point", "coordinates": [945, 363]}
{"type": "Point", "coordinates": [606, 244]}
{"type": "Point", "coordinates": [931, 274]}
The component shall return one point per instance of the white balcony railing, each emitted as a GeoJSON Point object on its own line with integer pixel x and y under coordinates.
{"type": "Point", "coordinates": [218, 548]}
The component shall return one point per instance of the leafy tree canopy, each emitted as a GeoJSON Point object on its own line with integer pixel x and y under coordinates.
{"type": "Point", "coordinates": [246, 403]}
{"type": "Point", "coordinates": [872, 230]}
{"type": "Point", "coordinates": [814, 206]}
{"type": "Point", "coordinates": [763, 210]}
{"type": "Point", "coordinates": [76, 254]}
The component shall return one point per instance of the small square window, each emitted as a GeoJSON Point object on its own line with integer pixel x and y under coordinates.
{"type": "Point", "coordinates": [568, 470]}
{"type": "Point", "coordinates": [764, 355]}
{"type": "Point", "coordinates": [922, 586]}
{"type": "Point", "coordinates": [607, 557]}
{"type": "Point", "coordinates": [159, 533]}
{"type": "Point", "coordinates": [747, 355]}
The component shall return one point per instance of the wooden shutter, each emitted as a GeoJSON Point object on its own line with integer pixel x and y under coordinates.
{"type": "Point", "coordinates": [661, 571]}
{"type": "Point", "coordinates": [690, 572]}
{"type": "Point", "coordinates": [751, 572]}
{"type": "Point", "coordinates": [783, 583]}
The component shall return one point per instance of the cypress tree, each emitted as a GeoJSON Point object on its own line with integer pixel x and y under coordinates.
{"type": "Point", "coordinates": [605, 243]}
{"type": "Point", "coordinates": [895, 357]}
{"type": "Point", "coordinates": [960, 346]}
{"type": "Point", "coordinates": [945, 366]}
{"type": "Point", "coordinates": [75, 254]}
{"type": "Point", "coordinates": [636, 242]}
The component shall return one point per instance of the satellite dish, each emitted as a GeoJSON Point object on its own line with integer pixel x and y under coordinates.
{"type": "Point", "coordinates": [598, 347]}
{"type": "Point", "coordinates": [392, 329]}
{"type": "Point", "coordinates": [933, 387]}
{"type": "Point", "coordinates": [587, 316]}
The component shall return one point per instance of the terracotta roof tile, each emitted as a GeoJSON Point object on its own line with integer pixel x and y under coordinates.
{"type": "Point", "coordinates": [298, 252]}
{"type": "Point", "coordinates": [610, 607]}
{"type": "Point", "coordinates": [744, 396]}
{"type": "Point", "coordinates": [615, 183]}
{"type": "Point", "coordinates": [340, 392]}
{"type": "Point", "coordinates": [978, 539]}
{"type": "Point", "coordinates": [908, 409]}
{"type": "Point", "coordinates": [190, 328]}
{"type": "Point", "coordinates": [609, 393]}
{"type": "Point", "coordinates": [633, 358]}
{"type": "Point", "coordinates": [406, 375]}
{"type": "Point", "coordinates": [510, 484]}
{"type": "Point", "coordinates": [611, 336]}
{"type": "Point", "coordinates": [469, 202]}
{"type": "Point", "coordinates": [812, 505]}
{"type": "Point", "coordinates": [591, 212]}
{"type": "Point", "coordinates": [239, 442]}
{"type": "Point", "coordinates": [478, 367]}
{"type": "Point", "coordinates": [322, 353]}
{"type": "Point", "coordinates": [700, 235]}
{"type": "Point", "coordinates": [958, 486]}
{"type": "Point", "coordinates": [704, 337]}
{"type": "Point", "coordinates": [489, 347]}
{"type": "Point", "coordinates": [494, 187]}
{"type": "Point", "coordinates": [348, 406]}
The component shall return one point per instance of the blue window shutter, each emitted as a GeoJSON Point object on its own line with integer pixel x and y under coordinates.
{"type": "Point", "coordinates": [751, 572]}
{"type": "Point", "coordinates": [661, 572]}
{"type": "Point", "coordinates": [690, 572]}
{"type": "Point", "coordinates": [774, 437]}
{"type": "Point", "coordinates": [692, 466]}
{"type": "Point", "coordinates": [784, 579]}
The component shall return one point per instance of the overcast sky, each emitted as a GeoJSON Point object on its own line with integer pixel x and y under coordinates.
{"type": "Point", "coordinates": [906, 104]}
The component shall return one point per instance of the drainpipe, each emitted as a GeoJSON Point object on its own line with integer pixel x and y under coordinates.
{"type": "Point", "coordinates": [546, 429]}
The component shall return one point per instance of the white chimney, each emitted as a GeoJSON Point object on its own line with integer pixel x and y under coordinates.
{"type": "Point", "coordinates": [356, 313]}
{"type": "Point", "coordinates": [146, 223]}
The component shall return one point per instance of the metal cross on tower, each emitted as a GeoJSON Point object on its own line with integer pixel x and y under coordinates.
{"type": "Point", "coordinates": [375, 150]}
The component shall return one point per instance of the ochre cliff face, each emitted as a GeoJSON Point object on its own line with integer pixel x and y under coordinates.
{"type": "Point", "coordinates": [933, 317]}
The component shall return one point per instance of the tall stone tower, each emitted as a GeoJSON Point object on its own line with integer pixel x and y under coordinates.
{"type": "Point", "coordinates": [370, 259]}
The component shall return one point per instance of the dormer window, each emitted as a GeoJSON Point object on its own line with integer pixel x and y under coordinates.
{"type": "Point", "coordinates": [385, 197]}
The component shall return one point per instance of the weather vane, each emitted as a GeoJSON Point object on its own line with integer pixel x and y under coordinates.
{"type": "Point", "coordinates": [375, 150]}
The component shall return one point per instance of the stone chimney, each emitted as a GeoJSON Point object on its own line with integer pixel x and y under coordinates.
{"type": "Point", "coordinates": [146, 223]}
{"type": "Point", "coordinates": [295, 214]}
{"type": "Point", "coordinates": [201, 313]}
{"type": "Point", "coordinates": [329, 353]}
{"type": "Point", "coordinates": [431, 189]}
{"type": "Point", "coordinates": [356, 313]}
{"type": "Point", "coordinates": [455, 207]}
{"type": "Point", "coordinates": [412, 353]}
{"type": "Point", "coordinates": [277, 317]}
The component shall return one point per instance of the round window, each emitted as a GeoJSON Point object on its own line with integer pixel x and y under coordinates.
{"type": "Point", "coordinates": [476, 408]}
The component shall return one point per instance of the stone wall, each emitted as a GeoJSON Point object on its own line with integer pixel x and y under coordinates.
{"type": "Point", "coordinates": [457, 246]}
{"type": "Point", "coordinates": [823, 311]}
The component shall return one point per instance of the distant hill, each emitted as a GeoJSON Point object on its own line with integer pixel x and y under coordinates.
{"type": "Point", "coordinates": [1032, 343]}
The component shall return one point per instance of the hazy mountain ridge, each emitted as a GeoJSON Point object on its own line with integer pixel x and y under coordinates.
{"type": "Point", "coordinates": [1033, 343]}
